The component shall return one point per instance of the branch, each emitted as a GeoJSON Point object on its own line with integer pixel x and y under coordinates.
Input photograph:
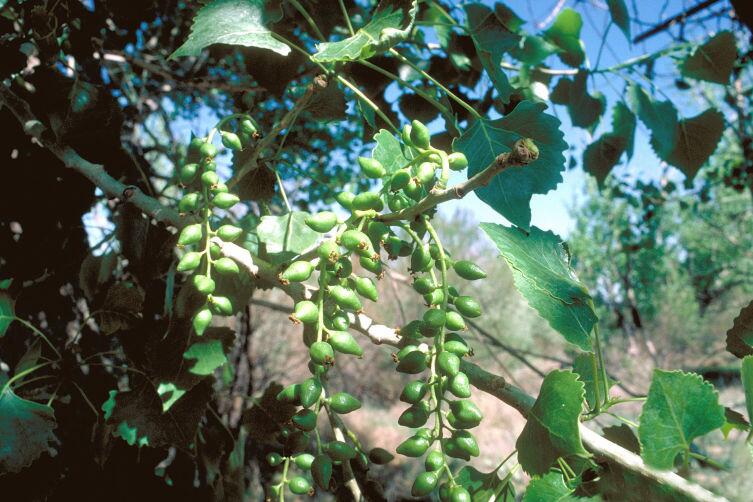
{"type": "Point", "coordinates": [679, 18]}
{"type": "Point", "coordinates": [517, 398]}
{"type": "Point", "coordinates": [93, 172]}
{"type": "Point", "coordinates": [524, 151]}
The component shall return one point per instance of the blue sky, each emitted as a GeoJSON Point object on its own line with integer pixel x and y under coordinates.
{"type": "Point", "coordinates": [553, 210]}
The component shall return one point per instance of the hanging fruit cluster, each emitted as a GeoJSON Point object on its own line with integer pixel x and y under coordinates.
{"type": "Point", "coordinates": [432, 346]}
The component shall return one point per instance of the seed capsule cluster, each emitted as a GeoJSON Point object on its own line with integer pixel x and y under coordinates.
{"type": "Point", "coordinates": [371, 235]}
{"type": "Point", "coordinates": [205, 193]}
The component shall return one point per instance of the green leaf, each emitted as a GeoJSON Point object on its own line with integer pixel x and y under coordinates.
{"type": "Point", "coordinates": [532, 50]}
{"type": "Point", "coordinates": [286, 235]}
{"type": "Point", "coordinates": [584, 109]}
{"type": "Point", "coordinates": [483, 486]}
{"type": "Point", "coordinates": [139, 418]}
{"type": "Point", "coordinates": [390, 23]}
{"type": "Point", "coordinates": [624, 436]}
{"type": "Point", "coordinates": [492, 39]}
{"type": "Point", "coordinates": [549, 488]}
{"type": "Point", "coordinates": [509, 193]}
{"type": "Point", "coordinates": [740, 335]}
{"type": "Point", "coordinates": [25, 430]}
{"type": "Point", "coordinates": [388, 151]}
{"type": "Point", "coordinates": [7, 310]}
{"type": "Point", "coordinates": [565, 34]}
{"type": "Point", "coordinates": [686, 144]}
{"type": "Point", "coordinates": [603, 154]}
{"type": "Point", "coordinates": [233, 22]}
{"type": "Point", "coordinates": [713, 61]}
{"type": "Point", "coordinates": [542, 273]}
{"type": "Point", "coordinates": [680, 407]}
{"type": "Point", "coordinates": [746, 375]}
{"type": "Point", "coordinates": [552, 429]}
{"type": "Point", "coordinates": [620, 16]}
{"type": "Point", "coordinates": [209, 356]}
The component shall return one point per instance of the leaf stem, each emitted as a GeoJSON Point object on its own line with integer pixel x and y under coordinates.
{"type": "Point", "coordinates": [346, 16]}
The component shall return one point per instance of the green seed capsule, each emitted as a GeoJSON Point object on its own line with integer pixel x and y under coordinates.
{"type": "Point", "coordinates": [290, 394]}
{"type": "Point", "coordinates": [405, 134]}
{"type": "Point", "coordinates": [368, 200]}
{"type": "Point", "coordinates": [305, 420]}
{"type": "Point", "coordinates": [231, 140]}
{"type": "Point", "coordinates": [191, 234]}
{"type": "Point", "coordinates": [419, 134]}
{"type": "Point", "coordinates": [413, 417]}
{"type": "Point", "coordinates": [338, 450]}
{"type": "Point", "coordinates": [355, 240]}
{"type": "Point", "coordinates": [189, 262]}
{"type": "Point", "coordinates": [414, 391]}
{"type": "Point", "coordinates": [328, 251]}
{"type": "Point", "coordinates": [299, 485]}
{"type": "Point", "coordinates": [459, 386]}
{"type": "Point", "coordinates": [413, 363]}
{"type": "Point", "coordinates": [196, 143]}
{"type": "Point", "coordinates": [222, 305]}
{"type": "Point", "coordinates": [298, 271]}
{"type": "Point", "coordinates": [322, 353]}
{"type": "Point", "coordinates": [309, 392]}
{"type": "Point", "coordinates": [226, 266]}
{"type": "Point", "coordinates": [340, 321]}
{"type": "Point", "coordinates": [466, 412]}
{"type": "Point", "coordinates": [201, 320]}
{"type": "Point", "coordinates": [247, 126]}
{"type": "Point", "coordinates": [321, 471]}
{"type": "Point", "coordinates": [400, 180]}
{"type": "Point", "coordinates": [214, 251]}
{"type": "Point", "coordinates": [225, 200]}
{"type": "Point", "coordinates": [366, 288]}
{"type": "Point", "coordinates": [229, 232]}
{"type": "Point", "coordinates": [468, 270]}
{"type": "Point", "coordinates": [345, 297]}
{"type": "Point", "coordinates": [209, 165]}
{"type": "Point", "coordinates": [342, 403]}
{"type": "Point", "coordinates": [208, 150]}
{"type": "Point", "coordinates": [203, 284]}
{"type": "Point", "coordinates": [436, 297]}
{"type": "Point", "coordinates": [413, 446]}
{"type": "Point", "coordinates": [188, 173]}
{"type": "Point", "coordinates": [380, 456]}
{"type": "Point", "coordinates": [405, 351]}
{"type": "Point", "coordinates": [424, 432]}
{"type": "Point", "coordinates": [457, 161]}
{"type": "Point", "coordinates": [466, 442]}
{"type": "Point", "coordinates": [434, 460]}
{"type": "Point", "coordinates": [218, 188]}
{"type": "Point", "coordinates": [435, 318]}
{"type": "Point", "coordinates": [321, 222]}
{"type": "Point", "coordinates": [459, 494]}
{"type": "Point", "coordinates": [412, 329]}
{"type": "Point", "coordinates": [345, 199]}
{"type": "Point", "coordinates": [274, 459]}
{"type": "Point", "coordinates": [456, 347]}
{"type": "Point", "coordinates": [429, 331]}
{"type": "Point", "coordinates": [343, 342]}
{"type": "Point", "coordinates": [372, 265]}
{"type": "Point", "coordinates": [372, 168]}
{"type": "Point", "coordinates": [209, 179]}
{"type": "Point", "coordinates": [189, 202]}
{"type": "Point", "coordinates": [398, 202]}
{"type": "Point", "coordinates": [414, 189]}
{"type": "Point", "coordinates": [303, 461]}
{"type": "Point", "coordinates": [420, 259]}
{"type": "Point", "coordinates": [306, 312]}
{"type": "Point", "coordinates": [467, 306]}
{"type": "Point", "coordinates": [454, 321]}
{"type": "Point", "coordinates": [424, 484]}
{"type": "Point", "coordinates": [448, 363]}
{"type": "Point", "coordinates": [424, 285]}
{"type": "Point", "coordinates": [425, 172]}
